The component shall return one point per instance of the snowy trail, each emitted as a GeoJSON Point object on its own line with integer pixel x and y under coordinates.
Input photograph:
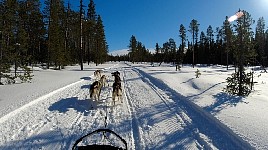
{"type": "Point", "coordinates": [152, 116]}
{"type": "Point", "coordinates": [45, 123]}
{"type": "Point", "coordinates": [58, 119]}
{"type": "Point", "coordinates": [174, 122]}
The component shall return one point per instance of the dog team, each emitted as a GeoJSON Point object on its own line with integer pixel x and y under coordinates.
{"type": "Point", "coordinates": [101, 81]}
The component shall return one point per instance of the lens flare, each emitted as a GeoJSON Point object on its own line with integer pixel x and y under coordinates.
{"type": "Point", "coordinates": [236, 16]}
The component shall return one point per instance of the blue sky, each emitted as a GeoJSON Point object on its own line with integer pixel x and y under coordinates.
{"type": "Point", "coordinates": [155, 21]}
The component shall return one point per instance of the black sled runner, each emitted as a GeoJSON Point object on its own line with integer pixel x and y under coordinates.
{"type": "Point", "coordinates": [101, 139]}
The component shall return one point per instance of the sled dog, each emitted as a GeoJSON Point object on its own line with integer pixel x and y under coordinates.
{"type": "Point", "coordinates": [116, 76]}
{"type": "Point", "coordinates": [117, 92]}
{"type": "Point", "coordinates": [115, 73]}
{"type": "Point", "coordinates": [103, 81]}
{"type": "Point", "coordinates": [95, 90]}
{"type": "Point", "coordinates": [97, 74]}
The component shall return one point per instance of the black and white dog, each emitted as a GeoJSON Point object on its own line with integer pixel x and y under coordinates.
{"type": "Point", "coordinates": [95, 89]}
{"type": "Point", "coordinates": [103, 80]}
{"type": "Point", "coordinates": [117, 92]}
{"type": "Point", "coordinates": [97, 74]}
{"type": "Point", "coordinates": [117, 88]}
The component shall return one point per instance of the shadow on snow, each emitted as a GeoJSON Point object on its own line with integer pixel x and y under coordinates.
{"type": "Point", "coordinates": [223, 100]}
{"type": "Point", "coordinates": [221, 136]}
{"type": "Point", "coordinates": [65, 105]}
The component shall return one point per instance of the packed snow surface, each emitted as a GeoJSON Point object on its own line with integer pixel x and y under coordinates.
{"type": "Point", "coordinates": [162, 109]}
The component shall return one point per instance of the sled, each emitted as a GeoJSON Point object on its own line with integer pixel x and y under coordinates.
{"type": "Point", "coordinates": [101, 139]}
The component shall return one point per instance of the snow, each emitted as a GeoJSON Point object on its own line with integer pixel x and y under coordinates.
{"type": "Point", "coordinates": [119, 52]}
{"type": "Point", "coordinates": [162, 109]}
{"type": "Point", "coordinates": [122, 52]}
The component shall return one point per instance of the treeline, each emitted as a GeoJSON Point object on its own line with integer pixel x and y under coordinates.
{"type": "Point", "coordinates": [232, 43]}
{"type": "Point", "coordinates": [55, 36]}
{"type": "Point", "coordinates": [222, 45]}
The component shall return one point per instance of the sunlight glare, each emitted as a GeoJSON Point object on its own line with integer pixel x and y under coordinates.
{"type": "Point", "coordinates": [262, 5]}
{"type": "Point", "coordinates": [236, 16]}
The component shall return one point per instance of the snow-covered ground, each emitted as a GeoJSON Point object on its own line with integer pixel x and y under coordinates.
{"type": "Point", "coordinates": [162, 109]}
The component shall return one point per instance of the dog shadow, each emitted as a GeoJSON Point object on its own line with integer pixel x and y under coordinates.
{"type": "Point", "coordinates": [86, 86]}
{"type": "Point", "coordinates": [82, 106]}
{"type": "Point", "coordinates": [86, 78]}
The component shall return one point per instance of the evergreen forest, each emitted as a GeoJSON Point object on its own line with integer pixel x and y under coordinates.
{"type": "Point", "coordinates": [56, 36]}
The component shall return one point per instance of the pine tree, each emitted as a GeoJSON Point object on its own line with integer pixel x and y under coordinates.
{"type": "Point", "coordinates": [133, 49]}
{"type": "Point", "coordinates": [210, 38]}
{"type": "Point", "coordinates": [8, 23]}
{"type": "Point", "coordinates": [260, 40]}
{"type": "Point", "coordinates": [228, 38]}
{"type": "Point", "coordinates": [158, 53]}
{"type": "Point", "coordinates": [4, 66]}
{"type": "Point", "coordinates": [72, 34]}
{"type": "Point", "coordinates": [239, 83]}
{"type": "Point", "coordinates": [47, 20]}
{"type": "Point", "coordinates": [182, 35]}
{"type": "Point", "coordinates": [218, 47]}
{"type": "Point", "coordinates": [166, 51]}
{"type": "Point", "coordinates": [140, 55]}
{"type": "Point", "coordinates": [56, 34]}
{"type": "Point", "coordinates": [90, 31]}
{"type": "Point", "coordinates": [266, 47]}
{"type": "Point", "coordinates": [67, 37]}
{"type": "Point", "coordinates": [203, 50]}
{"type": "Point", "coordinates": [101, 50]}
{"type": "Point", "coordinates": [32, 21]}
{"type": "Point", "coordinates": [173, 50]}
{"type": "Point", "coordinates": [194, 31]}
